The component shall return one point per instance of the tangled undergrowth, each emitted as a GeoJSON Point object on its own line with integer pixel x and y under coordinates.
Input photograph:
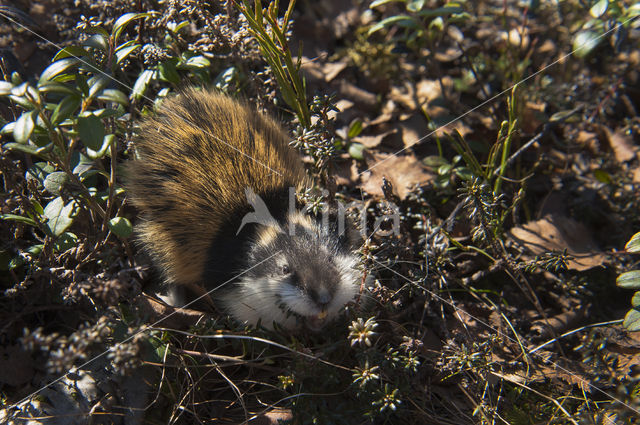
{"type": "Point", "coordinates": [490, 149]}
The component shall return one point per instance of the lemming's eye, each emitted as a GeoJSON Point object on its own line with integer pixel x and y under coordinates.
{"type": "Point", "coordinates": [285, 269]}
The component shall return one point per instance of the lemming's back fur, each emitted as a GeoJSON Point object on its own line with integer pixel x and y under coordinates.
{"type": "Point", "coordinates": [194, 161]}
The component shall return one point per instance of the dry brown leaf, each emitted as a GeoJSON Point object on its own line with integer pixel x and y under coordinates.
{"type": "Point", "coordinates": [373, 141]}
{"type": "Point", "coordinates": [364, 99]}
{"type": "Point", "coordinates": [344, 104]}
{"type": "Point", "coordinates": [445, 83]}
{"type": "Point", "coordinates": [346, 173]}
{"type": "Point", "coordinates": [413, 129]}
{"type": "Point", "coordinates": [383, 118]}
{"type": "Point", "coordinates": [404, 96]}
{"type": "Point", "coordinates": [559, 323]}
{"type": "Point", "coordinates": [636, 175]}
{"type": "Point", "coordinates": [331, 70]}
{"type": "Point", "coordinates": [403, 172]}
{"type": "Point", "coordinates": [421, 94]}
{"type": "Point", "coordinates": [516, 38]}
{"type": "Point", "coordinates": [556, 233]}
{"type": "Point", "coordinates": [572, 374]}
{"type": "Point", "coordinates": [273, 417]}
{"type": "Point", "coordinates": [429, 90]}
{"type": "Point", "coordinates": [450, 54]}
{"type": "Point", "coordinates": [588, 140]}
{"type": "Point", "coordinates": [621, 144]}
{"type": "Point", "coordinates": [548, 47]}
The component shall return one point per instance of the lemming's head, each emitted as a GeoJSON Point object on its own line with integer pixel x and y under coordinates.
{"type": "Point", "coordinates": [298, 275]}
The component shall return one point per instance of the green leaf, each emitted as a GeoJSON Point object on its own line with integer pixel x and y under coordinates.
{"type": "Point", "coordinates": [434, 161]}
{"type": "Point", "coordinates": [20, 90]}
{"type": "Point", "coordinates": [381, 2]}
{"type": "Point", "coordinates": [65, 241]}
{"type": "Point", "coordinates": [8, 128]}
{"type": "Point", "coordinates": [634, 243]}
{"type": "Point", "coordinates": [563, 115]}
{"type": "Point", "coordinates": [167, 71]}
{"type": "Point", "coordinates": [175, 28]}
{"type": "Point", "coordinates": [401, 20]}
{"type": "Point", "coordinates": [24, 127]}
{"type": "Point", "coordinates": [5, 88]}
{"type": "Point", "coordinates": [633, 11]}
{"type": "Point", "coordinates": [123, 52]}
{"type": "Point", "coordinates": [56, 87]}
{"type": "Point", "coordinates": [91, 130]}
{"type": "Point", "coordinates": [54, 182]}
{"type": "Point", "coordinates": [19, 219]}
{"type": "Point", "coordinates": [584, 42]}
{"type": "Point", "coordinates": [122, 22]}
{"type": "Point", "coordinates": [104, 149]}
{"type": "Point", "coordinates": [97, 83]}
{"type": "Point", "coordinates": [196, 62]}
{"type": "Point", "coordinates": [96, 30]}
{"type": "Point", "coordinates": [464, 173]}
{"type": "Point", "coordinates": [71, 51]}
{"type": "Point", "coordinates": [30, 149]}
{"type": "Point", "coordinates": [440, 11]}
{"type": "Point", "coordinates": [57, 68]}
{"type": "Point", "coordinates": [38, 172]}
{"type": "Point", "coordinates": [108, 112]}
{"type": "Point", "coordinates": [632, 320]}
{"type": "Point", "coordinates": [635, 300]}
{"type": "Point", "coordinates": [444, 169]}
{"type": "Point", "coordinates": [34, 250]}
{"type": "Point", "coordinates": [22, 101]}
{"type": "Point", "coordinates": [602, 176]}
{"type": "Point", "coordinates": [37, 207]}
{"type": "Point", "coordinates": [415, 5]}
{"type": "Point", "coordinates": [16, 262]}
{"type": "Point", "coordinates": [142, 83]}
{"type": "Point", "coordinates": [98, 42]}
{"type": "Point", "coordinates": [113, 95]}
{"type": "Point", "coordinates": [225, 78]}
{"type": "Point", "coordinates": [629, 280]}
{"type": "Point", "coordinates": [81, 82]}
{"type": "Point", "coordinates": [121, 227]}
{"type": "Point", "coordinates": [60, 215]}
{"type": "Point", "coordinates": [356, 150]}
{"type": "Point", "coordinates": [81, 165]}
{"type": "Point", "coordinates": [355, 129]}
{"type": "Point", "coordinates": [65, 108]}
{"type": "Point", "coordinates": [599, 9]}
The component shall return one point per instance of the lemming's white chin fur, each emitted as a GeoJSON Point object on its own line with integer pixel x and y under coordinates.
{"type": "Point", "coordinates": [271, 300]}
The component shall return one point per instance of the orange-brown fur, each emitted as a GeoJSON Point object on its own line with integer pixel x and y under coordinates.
{"type": "Point", "coordinates": [194, 161]}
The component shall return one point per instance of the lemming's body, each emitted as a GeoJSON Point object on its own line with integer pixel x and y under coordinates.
{"type": "Point", "coordinates": [197, 162]}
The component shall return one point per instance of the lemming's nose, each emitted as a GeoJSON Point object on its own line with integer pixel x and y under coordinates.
{"type": "Point", "coordinates": [321, 296]}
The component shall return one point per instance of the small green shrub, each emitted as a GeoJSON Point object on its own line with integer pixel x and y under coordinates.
{"type": "Point", "coordinates": [631, 280]}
